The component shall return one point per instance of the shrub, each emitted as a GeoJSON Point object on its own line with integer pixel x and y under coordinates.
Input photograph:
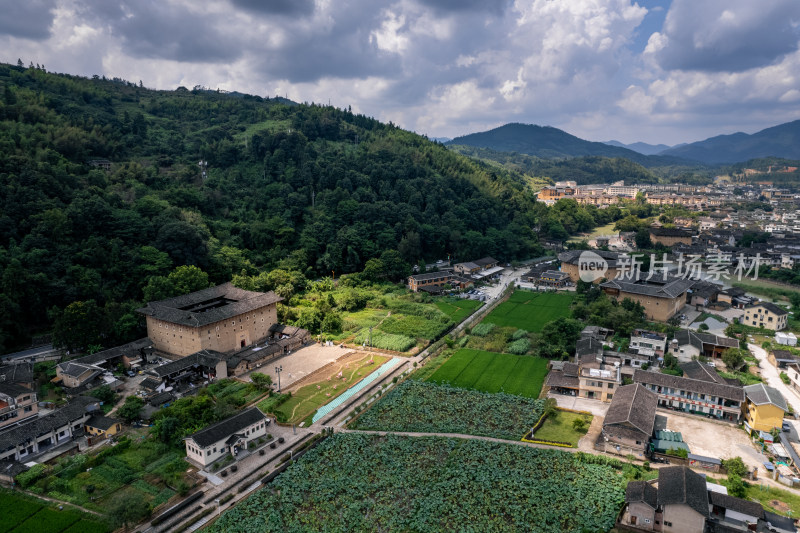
{"type": "Point", "coordinates": [519, 347]}
{"type": "Point", "coordinates": [272, 445]}
{"type": "Point", "coordinates": [483, 329]}
{"type": "Point", "coordinates": [261, 452]}
{"type": "Point", "coordinates": [519, 334]}
{"type": "Point", "coordinates": [224, 473]}
{"type": "Point", "coordinates": [784, 378]}
{"type": "Point", "coordinates": [234, 468]}
{"type": "Point", "coordinates": [26, 479]}
{"type": "Point", "coordinates": [281, 440]}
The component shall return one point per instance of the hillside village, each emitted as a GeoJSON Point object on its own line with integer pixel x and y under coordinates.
{"type": "Point", "coordinates": [708, 375]}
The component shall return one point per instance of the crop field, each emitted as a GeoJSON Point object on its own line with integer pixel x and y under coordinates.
{"type": "Point", "coordinates": [91, 481]}
{"type": "Point", "coordinates": [21, 514]}
{"type": "Point", "coordinates": [325, 386]}
{"type": "Point", "coordinates": [520, 375]}
{"type": "Point", "coordinates": [426, 407]}
{"type": "Point", "coordinates": [457, 308]}
{"type": "Point", "coordinates": [353, 482]}
{"type": "Point", "coordinates": [531, 310]}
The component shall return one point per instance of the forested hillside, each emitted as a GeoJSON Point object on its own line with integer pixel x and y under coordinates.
{"type": "Point", "coordinates": [311, 190]}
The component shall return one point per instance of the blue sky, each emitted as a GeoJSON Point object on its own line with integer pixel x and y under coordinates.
{"type": "Point", "coordinates": [658, 71]}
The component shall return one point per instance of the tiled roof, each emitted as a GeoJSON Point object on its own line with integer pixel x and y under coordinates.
{"type": "Point", "coordinates": [655, 287]}
{"type": "Point", "coordinates": [432, 275]}
{"type": "Point", "coordinates": [101, 422]}
{"type": "Point", "coordinates": [74, 410]}
{"type": "Point", "coordinates": [226, 428]}
{"type": "Point", "coordinates": [679, 485]}
{"type": "Point", "coordinates": [728, 392]}
{"type": "Point", "coordinates": [208, 358]}
{"type": "Point", "coordinates": [703, 372]}
{"type": "Point", "coordinates": [761, 394]}
{"type": "Point", "coordinates": [17, 372]}
{"type": "Point", "coordinates": [730, 503]}
{"type": "Point", "coordinates": [132, 348]}
{"type": "Point", "coordinates": [698, 340]}
{"type": "Point", "coordinates": [635, 406]}
{"type": "Point", "coordinates": [189, 309]}
{"type": "Point", "coordinates": [641, 491]}
{"type": "Point", "coordinates": [13, 389]}
{"type": "Point", "coordinates": [769, 306]}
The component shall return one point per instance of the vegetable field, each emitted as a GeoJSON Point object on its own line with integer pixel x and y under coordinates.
{"type": "Point", "coordinates": [426, 407]}
{"type": "Point", "coordinates": [531, 310]}
{"type": "Point", "coordinates": [493, 372]}
{"type": "Point", "coordinates": [355, 482]}
{"type": "Point", "coordinates": [20, 514]}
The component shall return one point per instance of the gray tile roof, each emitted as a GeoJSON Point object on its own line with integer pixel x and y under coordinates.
{"type": "Point", "coordinates": [761, 394]}
{"type": "Point", "coordinates": [641, 491]}
{"type": "Point", "coordinates": [208, 358]}
{"type": "Point", "coordinates": [728, 392]}
{"type": "Point", "coordinates": [572, 257]}
{"type": "Point", "coordinates": [150, 383]}
{"type": "Point", "coordinates": [698, 340]}
{"type": "Point", "coordinates": [776, 309]}
{"type": "Point", "coordinates": [679, 485]}
{"type": "Point", "coordinates": [209, 305]}
{"type": "Point", "coordinates": [132, 348]}
{"type": "Point", "coordinates": [17, 372]}
{"type": "Point", "coordinates": [73, 411]}
{"type": "Point", "coordinates": [655, 287]}
{"type": "Point", "coordinates": [731, 503]}
{"type": "Point", "coordinates": [14, 389]}
{"type": "Point", "coordinates": [486, 261]}
{"type": "Point", "coordinates": [703, 372]}
{"type": "Point", "coordinates": [226, 428]}
{"type": "Point", "coordinates": [101, 422]}
{"type": "Point", "coordinates": [670, 232]}
{"type": "Point", "coordinates": [432, 275]}
{"type": "Point", "coordinates": [76, 370]}
{"type": "Point", "coordinates": [557, 378]}
{"type": "Point", "coordinates": [634, 406]}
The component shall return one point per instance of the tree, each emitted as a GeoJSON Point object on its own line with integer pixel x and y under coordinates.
{"type": "Point", "coordinates": [261, 381]}
{"type": "Point", "coordinates": [128, 508]}
{"type": "Point", "coordinates": [734, 358]}
{"type": "Point", "coordinates": [735, 466]}
{"type": "Point", "coordinates": [167, 429]}
{"type": "Point", "coordinates": [374, 270]}
{"type": "Point", "coordinates": [550, 408]}
{"type": "Point", "coordinates": [80, 324]}
{"type": "Point", "coordinates": [579, 425]}
{"type": "Point", "coordinates": [105, 395]}
{"type": "Point", "coordinates": [132, 409]}
{"type": "Point", "coordinates": [642, 239]}
{"type": "Point", "coordinates": [736, 487]}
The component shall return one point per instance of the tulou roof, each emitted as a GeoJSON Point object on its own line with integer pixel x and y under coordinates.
{"type": "Point", "coordinates": [656, 286]}
{"type": "Point", "coordinates": [226, 428]}
{"type": "Point", "coordinates": [209, 305]}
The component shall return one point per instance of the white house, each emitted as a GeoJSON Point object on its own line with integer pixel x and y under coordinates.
{"type": "Point", "coordinates": [229, 436]}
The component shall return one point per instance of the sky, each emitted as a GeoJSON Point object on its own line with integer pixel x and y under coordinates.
{"type": "Point", "coordinates": [656, 71]}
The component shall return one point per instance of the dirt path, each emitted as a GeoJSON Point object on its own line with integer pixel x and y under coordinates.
{"type": "Point", "coordinates": [586, 444]}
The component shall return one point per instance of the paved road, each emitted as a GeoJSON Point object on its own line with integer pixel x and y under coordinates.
{"type": "Point", "coordinates": [772, 377]}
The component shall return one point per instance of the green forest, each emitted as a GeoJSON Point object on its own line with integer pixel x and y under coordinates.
{"type": "Point", "coordinates": [314, 191]}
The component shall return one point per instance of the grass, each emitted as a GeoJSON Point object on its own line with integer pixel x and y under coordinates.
{"type": "Point", "coordinates": [608, 229]}
{"type": "Point", "coordinates": [559, 428]}
{"type": "Point", "coordinates": [493, 372]}
{"type": "Point", "coordinates": [307, 399]}
{"type": "Point", "coordinates": [457, 308]}
{"type": "Point", "coordinates": [22, 513]}
{"type": "Point", "coordinates": [531, 310]}
{"type": "Point", "coordinates": [765, 495]}
{"type": "Point", "coordinates": [385, 341]}
{"type": "Point", "coordinates": [767, 289]}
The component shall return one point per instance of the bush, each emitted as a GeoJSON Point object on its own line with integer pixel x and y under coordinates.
{"type": "Point", "coordinates": [784, 378]}
{"type": "Point", "coordinates": [234, 468]}
{"type": "Point", "coordinates": [519, 347]}
{"type": "Point", "coordinates": [26, 479]}
{"type": "Point", "coordinates": [483, 329]}
{"type": "Point", "coordinates": [261, 452]}
{"type": "Point", "coordinates": [272, 445]}
{"type": "Point", "coordinates": [281, 440]}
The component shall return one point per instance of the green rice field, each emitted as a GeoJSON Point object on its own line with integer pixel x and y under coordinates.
{"type": "Point", "coordinates": [457, 308]}
{"type": "Point", "coordinates": [493, 372]}
{"type": "Point", "coordinates": [531, 310]}
{"type": "Point", "coordinates": [21, 514]}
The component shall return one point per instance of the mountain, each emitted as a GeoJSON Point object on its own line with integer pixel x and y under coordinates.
{"type": "Point", "coordinates": [549, 142]}
{"type": "Point", "coordinates": [642, 148]}
{"type": "Point", "coordinates": [103, 204]}
{"type": "Point", "coordinates": [779, 141]}
{"type": "Point", "coordinates": [440, 139]}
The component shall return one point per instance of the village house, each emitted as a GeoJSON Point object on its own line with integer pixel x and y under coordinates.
{"type": "Point", "coordinates": [689, 343]}
{"type": "Point", "coordinates": [17, 403]}
{"type": "Point", "coordinates": [766, 315]}
{"type": "Point", "coordinates": [670, 236]}
{"type": "Point", "coordinates": [782, 358]}
{"type": "Point", "coordinates": [694, 396]}
{"type": "Point", "coordinates": [570, 263]}
{"type": "Point", "coordinates": [227, 437]}
{"type": "Point", "coordinates": [102, 426]}
{"type": "Point", "coordinates": [223, 318]}
{"type": "Point", "coordinates": [651, 344]}
{"type": "Point", "coordinates": [764, 408]}
{"type": "Point", "coordinates": [661, 299]}
{"type": "Point", "coordinates": [553, 278]}
{"type": "Point", "coordinates": [38, 435]}
{"type": "Point", "coordinates": [630, 420]}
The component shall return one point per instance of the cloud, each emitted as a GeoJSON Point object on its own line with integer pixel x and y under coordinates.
{"type": "Point", "coordinates": [725, 35]}
{"type": "Point", "coordinates": [276, 7]}
{"type": "Point", "coordinates": [450, 6]}
{"type": "Point", "coordinates": [28, 19]}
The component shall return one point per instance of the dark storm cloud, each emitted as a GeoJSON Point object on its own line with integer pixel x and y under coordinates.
{"type": "Point", "coordinates": [728, 36]}
{"type": "Point", "coordinates": [276, 7]}
{"type": "Point", "coordinates": [29, 19]}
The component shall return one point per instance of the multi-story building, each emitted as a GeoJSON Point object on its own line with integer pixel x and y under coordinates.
{"type": "Point", "coordinates": [766, 315]}
{"type": "Point", "coordinates": [661, 299]}
{"type": "Point", "coordinates": [417, 282]}
{"type": "Point", "coordinates": [222, 318]}
{"type": "Point", "coordinates": [693, 395]}
{"type": "Point", "coordinates": [764, 408]}
{"type": "Point", "coordinates": [16, 404]}
{"type": "Point", "coordinates": [550, 195]}
{"type": "Point", "coordinates": [648, 343]}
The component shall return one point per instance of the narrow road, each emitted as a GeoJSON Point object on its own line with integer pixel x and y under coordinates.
{"type": "Point", "coordinates": [460, 436]}
{"type": "Point", "coordinates": [772, 376]}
